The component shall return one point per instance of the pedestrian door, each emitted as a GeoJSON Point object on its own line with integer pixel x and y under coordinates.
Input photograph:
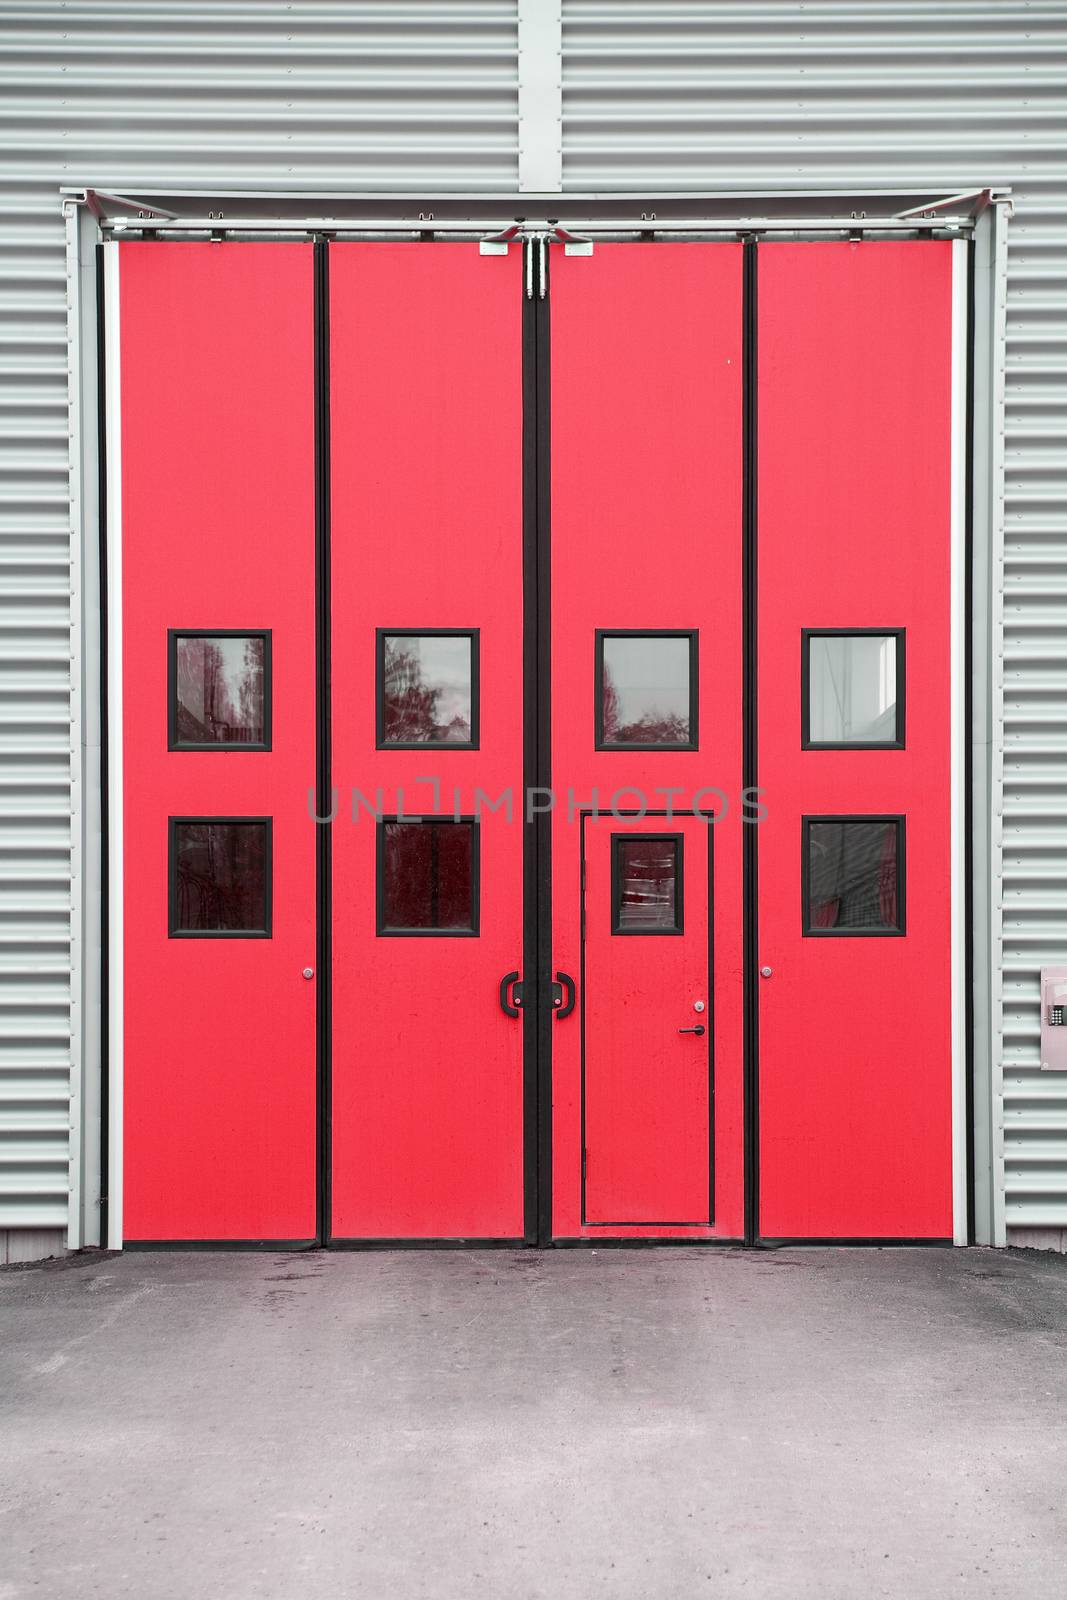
{"type": "Point", "coordinates": [520, 830]}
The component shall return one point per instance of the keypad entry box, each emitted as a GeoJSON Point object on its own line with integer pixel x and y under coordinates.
{"type": "Point", "coordinates": [1054, 1019]}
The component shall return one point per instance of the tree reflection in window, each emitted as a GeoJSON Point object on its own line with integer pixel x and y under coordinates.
{"type": "Point", "coordinates": [427, 688]}
{"type": "Point", "coordinates": [645, 690]}
{"type": "Point", "coordinates": [220, 689]}
{"type": "Point", "coordinates": [220, 877]}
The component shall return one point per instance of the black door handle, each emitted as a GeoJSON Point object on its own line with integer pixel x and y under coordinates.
{"type": "Point", "coordinates": [509, 982]}
{"type": "Point", "coordinates": [564, 985]}
{"type": "Point", "coordinates": [698, 1029]}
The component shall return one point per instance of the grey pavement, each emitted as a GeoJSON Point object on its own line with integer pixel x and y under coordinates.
{"type": "Point", "coordinates": [676, 1423]}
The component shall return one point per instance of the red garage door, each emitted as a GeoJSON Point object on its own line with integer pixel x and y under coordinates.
{"type": "Point", "coordinates": [465, 603]}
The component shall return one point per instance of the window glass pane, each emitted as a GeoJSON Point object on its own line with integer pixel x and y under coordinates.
{"type": "Point", "coordinates": [852, 876]}
{"type": "Point", "coordinates": [647, 887]}
{"type": "Point", "coordinates": [220, 686]}
{"type": "Point", "coordinates": [428, 878]}
{"type": "Point", "coordinates": [427, 688]}
{"type": "Point", "coordinates": [645, 690]}
{"type": "Point", "coordinates": [852, 688]}
{"type": "Point", "coordinates": [220, 877]}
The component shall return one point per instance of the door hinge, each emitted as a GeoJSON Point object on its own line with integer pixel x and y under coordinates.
{"type": "Point", "coordinates": [536, 266]}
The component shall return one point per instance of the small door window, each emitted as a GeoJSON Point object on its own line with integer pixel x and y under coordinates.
{"type": "Point", "coordinates": [220, 877]}
{"type": "Point", "coordinates": [427, 876]}
{"type": "Point", "coordinates": [853, 875]}
{"type": "Point", "coordinates": [219, 689]}
{"type": "Point", "coordinates": [852, 688]}
{"type": "Point", "coordinates": [427, 688]}
{"type": "Point", "coordinates": [646, 689]}
{"type": "Point", "coordinates": [646, 883]}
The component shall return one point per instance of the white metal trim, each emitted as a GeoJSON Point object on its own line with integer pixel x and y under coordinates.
{"type": "Point", "coordinates": [961, 1155]}
{"type": "Point", "coordinates": [995, 445]}
{"type": "Point", "coordinates": [74, 589]}
{"type": "Point", "coordinates": [540, 63]}
{"type": "Point", "coordinates": [113, 1178]}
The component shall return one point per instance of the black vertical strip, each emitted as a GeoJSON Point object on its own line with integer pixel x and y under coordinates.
{"type": "Point", "coordinates": [530, 888]}
{"type": "Point", "coordinates": [546, 1016]}
{"type": "Point", "coordinates": [968, 759]}
{"type": "Point", "coordinates": [537, 772]}
{"type": "Point", "coordinates": [105, 863]}
{"type": "Point", "coordinates": [750, 741]}
{"type": "Point", "coordinates": [323, 752]}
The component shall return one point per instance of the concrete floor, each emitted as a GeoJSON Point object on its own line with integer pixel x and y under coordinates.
{"type": "Point", "coordinates": [666, 1423]}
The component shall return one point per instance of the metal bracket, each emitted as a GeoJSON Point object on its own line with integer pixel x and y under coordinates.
{"type": "Point", "coordinates": [93, 197]}
{"type": "Point", "coordinates": [983, 197]}
{"type": "Point", "coordinates": [496, 244]}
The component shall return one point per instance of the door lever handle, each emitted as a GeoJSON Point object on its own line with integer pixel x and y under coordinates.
{"type": "Point", "coordinates": [698, 1029]}
{"type": "Point", "coordinates": [510, 994]}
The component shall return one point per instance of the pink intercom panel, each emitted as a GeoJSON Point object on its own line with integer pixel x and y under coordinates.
{"type": "Point", "coordinates": [1054, 1019]}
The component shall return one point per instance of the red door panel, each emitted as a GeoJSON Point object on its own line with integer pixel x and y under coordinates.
{"type": "Point", "coordinates": [854, 507]}
{"type": "Point", "coordinates": [646, 345]}
{"type": "Point", "coordinates": [218, 533]}
{"type": "Point", "coordinates": [646, 971]}
{"type": "Point", "coordinates": [426, 414]}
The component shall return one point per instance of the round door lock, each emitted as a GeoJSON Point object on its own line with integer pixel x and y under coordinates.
{"type": "Point", "coordinates": [698, 1005]}
{"type": "Point", "coordinates": [309, 972]}
{"type": "Point", "coordinates": [765, 972]}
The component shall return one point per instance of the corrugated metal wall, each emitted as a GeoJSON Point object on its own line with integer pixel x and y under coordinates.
{"type": "Point", "coordinates": [122, 95]}
{"type": "Point", "coordinates": [703, 94]}
{"type": "Point", "coordinates": [349, 95]}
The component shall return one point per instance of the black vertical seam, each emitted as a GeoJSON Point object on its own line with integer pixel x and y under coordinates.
{"type": "Point", "coordinates": [538, 1016]}
{"type": "Point", "coordinates": [530, 757]}
{"type": "Point", "coordinates": [750, 736]}
{"type": "Point", "coordinates": [104, 690]}
{"type": "Point", "coordinates": [546, 1015]}
{"type": "Point", "coordinates": [323, 753]}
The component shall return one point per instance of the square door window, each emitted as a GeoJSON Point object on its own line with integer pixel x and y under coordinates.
{"type": "Point", "coordinates": [219, 690]}
{"type": "Point", "coordinates": [427, 876]}
{"type": "Point", "coordinates": [852, 689]}
{"type": "Point", "coordinates": [646, 690]}
{"type": "Point", "coordinates": [220, 877]}
{"type": "Point", "coordinates": [646, 883]}
{"type": "Point", "coordinates": [427, 688]}
{"type": "Point", "coordinates": [853, 876]}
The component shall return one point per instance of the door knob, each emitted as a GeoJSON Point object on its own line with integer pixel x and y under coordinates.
{"type": "Point", "coordinates": [698, 1029]}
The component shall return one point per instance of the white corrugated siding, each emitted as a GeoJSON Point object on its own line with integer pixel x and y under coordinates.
{"type": "Point", "coordinates": [264, 95]}
{"type": "Point", "coordinates": [699, 94]}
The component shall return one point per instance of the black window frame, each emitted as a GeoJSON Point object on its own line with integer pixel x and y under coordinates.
{"type": "Point", "coordinates": [693, 635]}
{"type": "Point", "coordinates": [380, 636]}
{"type": "Point", "coordinates": [678, 840]}
{"type": "Point", "coordinates": [182, 746]}
{"type": "Point", "coordinates": [806, 741]}
{"type": "Point", "coordinates": [202, 821]}
{"type": "Point", "coordinates": [899, 818]}
{"type": "Point", "coordinates": [382, 930]}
